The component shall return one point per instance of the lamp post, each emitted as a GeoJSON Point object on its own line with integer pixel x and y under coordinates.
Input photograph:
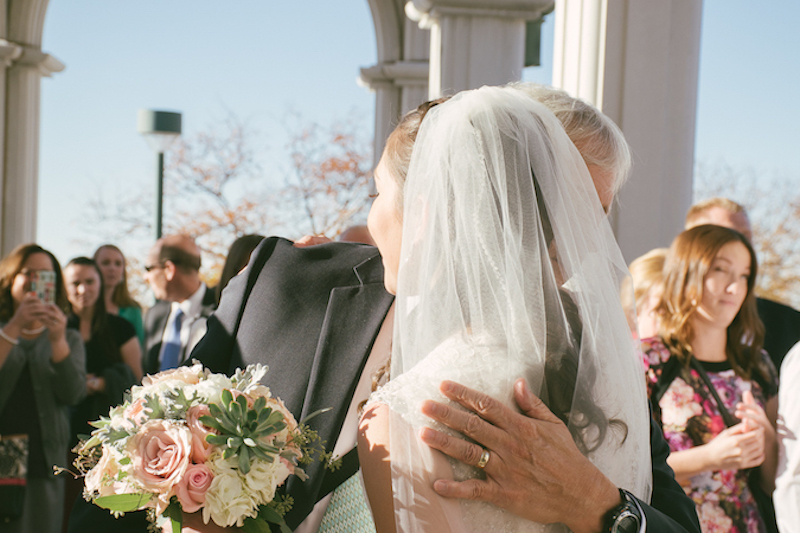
{"type": "Point", "coordinates": [160, 129]}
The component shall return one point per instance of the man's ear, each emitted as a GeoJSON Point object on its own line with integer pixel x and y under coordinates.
{"type": "Point", "coordinates": [169, 270]}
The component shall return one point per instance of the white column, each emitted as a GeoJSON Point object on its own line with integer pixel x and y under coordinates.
{"type": "Point", "coordinates": [400, 78]}
{"type": "Point", "coordinates": [21, 155]}
{"type": "Point", "coordinates": [638, 61]}
{"type": "Point", "coordinates": [399, 86]}
{"type": "Point", "coordinates": [8, 53]}
{"type": "Point", "coordinates": [475, 43]}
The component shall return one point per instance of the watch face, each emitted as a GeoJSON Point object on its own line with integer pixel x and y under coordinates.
{"type": "Point", "coordinates": [626, 522]}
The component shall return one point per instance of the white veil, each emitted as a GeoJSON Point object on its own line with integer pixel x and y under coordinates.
{"type": "Point", "coordinates": [508, 269]}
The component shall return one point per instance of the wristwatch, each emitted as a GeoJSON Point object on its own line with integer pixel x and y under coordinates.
{"type": "Point", "coordinates": [625, 517]}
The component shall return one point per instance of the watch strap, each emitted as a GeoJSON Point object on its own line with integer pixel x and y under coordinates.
{"type": "Point", "coordinates": [625, 517]}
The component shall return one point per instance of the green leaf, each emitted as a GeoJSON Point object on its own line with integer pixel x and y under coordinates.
{"type": "Point", "coordinates": [244, 460]}
{"type": "Point", "coordinates": [175, 514]}
{"type": "Point", "coordinates": [261, 402]}
{"type": "Point", "coordinates": [270, 515]}
{"type": "Point", "coordinates": [315, 413]}
{"type": "Point", "coordinates": [242, 403]}
{"type": "Point", "coordinates": [227, 397]}
{"type": "Point", "coordinates": [125, 461]}
{"type": "Point", "coordinates": [156, 409]}
{"type": "Point", "coordinates": [210, 421]}
{"type": "Point", "coordinates": [259, 453]}
{"type": "Point", "coordinates": [255, 525]}
{"type": "Point", "coordinates": [216, 440]}
{"type": "Point", "coordinates": [124, 503]}
{"type": "Point", "coordinates": [214, 409]}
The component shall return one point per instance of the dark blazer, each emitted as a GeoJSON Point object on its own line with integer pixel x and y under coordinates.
{"type": "Point", "coordinates": [312, 315]}
{"type": "Point", "coordinates": [155, 320]}
{"type": "Point", "coordinates": [782, 325]}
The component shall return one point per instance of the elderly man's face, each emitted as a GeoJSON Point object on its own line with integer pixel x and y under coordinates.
{"type": "Point", "coordinates": [154, 274]}
{"type": "Point", "coordinates": [602, 180]}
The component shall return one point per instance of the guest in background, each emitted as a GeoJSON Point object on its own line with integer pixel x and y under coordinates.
{"type": "Point", "coordinates": [42, 372]}
{"type": "Point", "coordinates": [709, 351]}
{"type": "Point", "coordinates": [113, 355]}
{"type": "Point", "coordinates": [781, 322]}
{"type": "Point", "coordinates": [641, 293]}
{"type": "Point", "coordinates": [178, 320]}
{"type": "Point", "coordinates": [118, 299]}
{"type": "Point", "coordinates": [237, 259]}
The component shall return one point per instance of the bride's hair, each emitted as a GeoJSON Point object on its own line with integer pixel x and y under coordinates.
{"type": "Point", "coordinates": [587, 423]}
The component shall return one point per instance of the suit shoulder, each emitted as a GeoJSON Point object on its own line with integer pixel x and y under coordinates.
{"type": "Point", "coordinates": [342, 253]}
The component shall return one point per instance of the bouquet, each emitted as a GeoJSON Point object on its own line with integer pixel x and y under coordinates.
{"type": "Point", "coordinates": [189, 440]}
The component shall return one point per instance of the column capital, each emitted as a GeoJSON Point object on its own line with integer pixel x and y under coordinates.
{"type": "Point", "coordinates": [399, 73]}
{"type": "Point", "coordinates": [41, 61]}
{"type": "Point", "coordinates": [425, 12]}
{"type": "Point", "coordinates": [9, 52]}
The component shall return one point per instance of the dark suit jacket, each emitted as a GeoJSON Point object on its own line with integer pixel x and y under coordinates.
{"type": "Point", "coordinates": [155, 320]}
{"type": "Point", "coordinates": [782, 324]}
{"type": "Point", "coordinates": [312, 315]}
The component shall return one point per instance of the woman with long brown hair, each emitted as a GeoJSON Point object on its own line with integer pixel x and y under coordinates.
{"type": "Point", "coordinates": [42, 373]}
{"type": "Point", "coordinates": [118, 299]}
{"type": "Point", "coordinates": [709, 352]}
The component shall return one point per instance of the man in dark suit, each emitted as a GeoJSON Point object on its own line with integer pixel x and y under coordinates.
{"type": "Point", "coordinates": [781, 322]}
{"type": "Point", "coordinates": [178, 319]}
{"type": "Point", "coordinates": [312, 314]}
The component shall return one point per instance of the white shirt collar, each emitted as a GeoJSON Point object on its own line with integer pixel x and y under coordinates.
{"type": "Point", "coordinates": [193, 305]}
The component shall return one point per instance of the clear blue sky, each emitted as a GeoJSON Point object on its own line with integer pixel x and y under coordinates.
{"type": "Point", "coordinates": [261, 59]}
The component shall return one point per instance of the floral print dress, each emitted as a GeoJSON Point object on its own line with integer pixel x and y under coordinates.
{"type": "Point", "coordinates": [689, 417]}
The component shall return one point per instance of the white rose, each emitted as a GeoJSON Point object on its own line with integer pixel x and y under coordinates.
{"type": "Point", "coordinates": [210, 390]}
{"type": "Point", "coordinates": [264, 478]}
{"type": "Point", "coordinates": [228, 501]}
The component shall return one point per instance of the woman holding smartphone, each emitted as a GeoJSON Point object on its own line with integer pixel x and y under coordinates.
{"type": "Point", "coordinates": [42, 372]}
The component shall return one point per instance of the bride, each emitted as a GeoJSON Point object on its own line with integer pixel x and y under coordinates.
{"type": "Point", "coordinates": [495, 243]}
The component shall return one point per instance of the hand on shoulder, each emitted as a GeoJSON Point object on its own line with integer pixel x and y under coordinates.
{"type": "Point", "coordinates": [532, 458]}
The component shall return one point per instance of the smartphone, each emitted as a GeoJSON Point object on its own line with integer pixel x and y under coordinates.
{"type": "Point", "coordinates": [43, 283]}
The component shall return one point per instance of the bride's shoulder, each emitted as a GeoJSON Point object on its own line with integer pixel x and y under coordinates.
{"type": "Point", "coordinates": [458, 358]}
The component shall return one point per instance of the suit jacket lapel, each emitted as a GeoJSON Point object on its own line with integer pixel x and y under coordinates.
{"type": "Point", "coordinates": [353, 319]}
{"type": "Point", "coordinates": [156, 321]}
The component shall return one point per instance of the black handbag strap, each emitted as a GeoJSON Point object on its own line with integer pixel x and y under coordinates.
{"type": "Point", "coordinates": [727, 417]}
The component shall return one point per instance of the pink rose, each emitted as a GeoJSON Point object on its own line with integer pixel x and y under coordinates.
{"type": "Point", "coordinates": [135, 412]}
{"type": "Point", "coordinates": [188, 374]}
{"type": "Point", "coordinates": [101, 479]}
{"type": "Point", "coordinates": [192, 487]}
{"type": "Point", "coordinates": [236, 393]}
{"type": "Point", "coordinates": [201, 450]}
{"type": "Point", "coordinates": [160, 452]}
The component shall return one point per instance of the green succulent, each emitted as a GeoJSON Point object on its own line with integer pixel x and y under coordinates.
{"type": "Point", "coordinates": [242, 430]}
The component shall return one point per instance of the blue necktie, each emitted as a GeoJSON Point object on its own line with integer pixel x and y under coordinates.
{"type": "Point", "coordinates": [172, 343]}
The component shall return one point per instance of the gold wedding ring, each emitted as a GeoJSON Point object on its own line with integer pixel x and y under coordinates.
{"type": "Point", "coordinates": [484, 459]}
